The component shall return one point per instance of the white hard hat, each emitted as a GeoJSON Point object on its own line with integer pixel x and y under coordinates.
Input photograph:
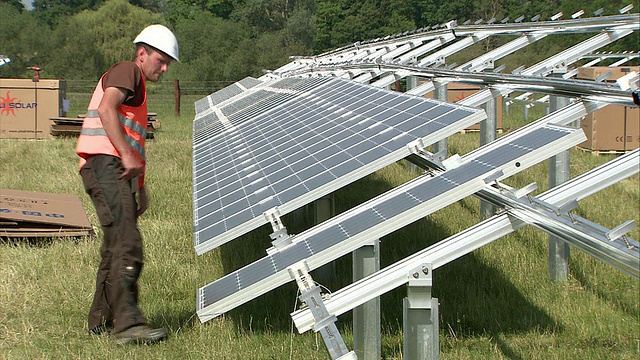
{"type": "Point", "coordinates": [159, 37]}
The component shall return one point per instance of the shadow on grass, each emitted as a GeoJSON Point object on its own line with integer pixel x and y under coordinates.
{"type": "Point", "coordinates": [176, 322]}
{"type": "Point", "coordinates": [583, 276]}
{"type": "Point", "coordinates": [476, 299]}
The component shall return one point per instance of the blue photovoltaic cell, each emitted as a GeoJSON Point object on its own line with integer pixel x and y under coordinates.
{"type": "Point", "coordinates": [281, 141]}
{"type": "Point", "coordinates": [392, 204]}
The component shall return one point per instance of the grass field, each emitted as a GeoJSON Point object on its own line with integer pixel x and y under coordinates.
{"type": "Point", "coordinates": [495, 303]}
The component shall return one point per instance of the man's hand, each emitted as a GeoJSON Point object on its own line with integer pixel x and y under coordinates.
{"type": "Point", "coordinates": [133, 166]}
{"type": "Point", "coordinates": [143, 200]}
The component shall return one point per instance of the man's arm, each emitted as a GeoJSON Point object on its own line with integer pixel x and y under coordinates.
{"type": "Point", "coordinates": [108, 110]}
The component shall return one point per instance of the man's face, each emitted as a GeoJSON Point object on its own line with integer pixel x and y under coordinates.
{"type": "Point", "coordinates": [154, 64]}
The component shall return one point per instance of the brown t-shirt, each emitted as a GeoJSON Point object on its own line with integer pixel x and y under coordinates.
{"type": "Point", "coordinates": [126, 75]}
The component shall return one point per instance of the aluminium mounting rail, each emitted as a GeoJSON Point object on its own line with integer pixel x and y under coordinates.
{"type": "Point", "coordinates": [484, 61]}
{"type": "Point", "coordinates": [333, 63]}
{"type": "Point", "coordinates": [473, 238]}
{"type": "Point", "coordinates": [343, 56]}
{"type": "Point", "coordinates": [431, 59]}
{"type": "Point", "coordinates": [529, 79]}
{"type": "Point", "coordinates": [603, 244]}
{"type": "Point", "coordinates": [558, 61]}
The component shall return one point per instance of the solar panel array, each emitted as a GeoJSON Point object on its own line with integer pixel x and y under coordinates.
{"type": "Point", "coordinates": [375, 214]}
{"type": "Point", "coordinates": [284, 142]}
{"type": "Point", "coordinates": [287, 142]}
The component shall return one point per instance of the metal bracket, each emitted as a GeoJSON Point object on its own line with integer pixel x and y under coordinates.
{"type": "Point", "coordinates": [425, 159]}
{"type": "Point", "coordinates": [621, 232]}
{"type": "Point", "coordinates": [324, 322]}
{"type": "Point", "coordinates": [419, 287]}
{"type": "Point", "coordinates": [569, 74]}
{"type": "Point", "coordinates": [280, 238]}
{"type": "Point", "coordinates": [558, 210]}
{"type": "Point", "coordinates": [494, 177]}
{"type": "Point", "coordinates": [603, 77]}
{"type": "Point", "coordinates": [416, 147]}
{"type": "Point", "coordinates": [524, 191]}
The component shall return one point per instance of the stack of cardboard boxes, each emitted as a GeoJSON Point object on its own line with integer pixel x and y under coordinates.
{"type": "Point", "coordinates": [27, 105]}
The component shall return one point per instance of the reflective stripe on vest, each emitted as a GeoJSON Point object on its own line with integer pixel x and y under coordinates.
{"type": "Point", "coordinates": [126, 122]}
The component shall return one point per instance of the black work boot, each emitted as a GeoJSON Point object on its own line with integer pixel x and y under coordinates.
{"type": "Point", "coordinates": [140, 334]}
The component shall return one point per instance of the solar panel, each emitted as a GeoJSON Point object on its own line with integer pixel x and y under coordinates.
{"type": "Point", "coordinates": [384, 214]}
{"type": "Point", "coordinates": [287, 142]}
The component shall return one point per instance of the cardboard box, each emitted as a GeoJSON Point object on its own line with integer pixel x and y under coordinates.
{"type": "Point", "coordinates": [613, 128]}
{"type": "Point", "coordinates": [593, 72]}
{"type": "Point", "coordinates": [26, 106]}
{"type": "Point", "coordinates": [458, 91]}
{"type": "Point", "coordinates": [36, 214]}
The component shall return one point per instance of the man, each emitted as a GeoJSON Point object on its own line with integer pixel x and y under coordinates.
{"type": "Point", "coordinates": [112, 167]}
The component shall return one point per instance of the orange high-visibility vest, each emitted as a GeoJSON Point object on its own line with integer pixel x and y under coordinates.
{"type": "Point", "coordinates": [93, 139]}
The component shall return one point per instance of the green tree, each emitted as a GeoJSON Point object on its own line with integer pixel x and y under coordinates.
{"type": "Point", "coordinates": [206, 41]}
{"type": "Point", "coordinates": [435, 12]}
{"type": "Point", "coordinates": [340, 22]}
{"type": "Point", "coordinates": [269, 15]}
{"type": "Point", "coordinates": [299, 32]}
{"type": "Point", "coordinates": [24, 48]}
{"type": "Point", "coordinates": [105, 38]}
{"type": "Point", "coordinates": [15, 3]}
{"type": "Point", "coordinates": [51, 11]}
{"type": "Point", "coordinates": [187, 9]}
{"type": "Point", "coordinates": [156, 6]}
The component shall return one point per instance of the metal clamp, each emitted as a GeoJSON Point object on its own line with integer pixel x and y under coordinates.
{"type": "Point", "coordinates": [324, 322]}
{"type": "Point", "coordinates": [280, 238]}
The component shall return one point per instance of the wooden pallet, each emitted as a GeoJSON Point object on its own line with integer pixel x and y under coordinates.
{"type": "Point", "coordinates": [68, 126]}
{"type": "Point", "coordinates": [604, 152]}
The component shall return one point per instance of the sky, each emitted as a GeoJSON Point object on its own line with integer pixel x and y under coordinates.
{"type": "Point", "coordinates": [28, 3]}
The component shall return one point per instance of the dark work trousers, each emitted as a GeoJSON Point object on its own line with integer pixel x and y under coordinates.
{"type": "Point", "coordinates": [116, 295]}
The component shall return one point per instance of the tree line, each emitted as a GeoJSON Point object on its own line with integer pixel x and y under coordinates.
{"type": "Point", "coordinates": [227, 40]}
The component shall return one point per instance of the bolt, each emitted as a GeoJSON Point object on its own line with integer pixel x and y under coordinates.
{"type": "Point", "coordinates": [425, 270]}
{"type": "Point", "coordinates": [416, 275]}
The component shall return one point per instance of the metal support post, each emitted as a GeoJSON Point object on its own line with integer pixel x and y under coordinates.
{"type": "Point", "coordinates": [440, 93]}
{"type": "Point", "coordinates": [324, 322]}
{"type": "Point", "coordinates": [488, 133]}
{"type": "Point", "coordinates": [412, 82]}
{"type": "Point", "coordinates": [366, 317]}
{"type": "Point", "coordinates": [420, 317]}
{"type": "Point", "coordinates": [558, 174]}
